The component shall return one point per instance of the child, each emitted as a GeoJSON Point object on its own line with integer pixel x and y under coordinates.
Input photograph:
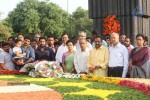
{"type": "Point", "coordinates": [17, 52]}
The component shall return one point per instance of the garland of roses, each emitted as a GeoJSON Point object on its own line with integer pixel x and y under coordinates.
{"type": "Point", "coordinates": [11, 72]}
{"type": "Point", "coordinates": [111, 25]}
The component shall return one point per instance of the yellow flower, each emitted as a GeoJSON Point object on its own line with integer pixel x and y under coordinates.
{"type": "Point", "coordinates": [8, 76]}
{"type": "Point", "coordinates": [101, 79]}
{"type": "Point", "coordinates": [55, 71]}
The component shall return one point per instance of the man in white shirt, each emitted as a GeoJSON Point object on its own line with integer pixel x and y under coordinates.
{"type": "Point", "coordinates": [118, 62]}
{"type": "Point", "coordinates": [128, 45]}
{"type": "Point", "coordinates": [81, 57]}
{"type": "Point", "coordinates": [6, 58]}
{"type": "Point", "coordinates": [62, 49]}
{"type": "Point", "coordinates": [82, 34]}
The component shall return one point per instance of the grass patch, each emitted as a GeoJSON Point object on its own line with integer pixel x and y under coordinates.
{"type": "Point", "coordinates": [69, 80]}
{"type": "Point", "coordinates": [67, 89]}
{"type": "Point", "coordinates": [131, 94]}
{"type": "Point", "coordinates": [81, 97]}
{"type": "Point", "coordinates": [107, 86]}
{"type": "Point", "coordinates": [47, 84]}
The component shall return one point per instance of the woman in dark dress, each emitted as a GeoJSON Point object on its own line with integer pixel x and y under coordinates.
{"type": "Point", "coordinates": [140, 59]}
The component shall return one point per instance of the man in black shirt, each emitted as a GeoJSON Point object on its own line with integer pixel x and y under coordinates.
{"type": "Point", "coordinates": [43, 52]}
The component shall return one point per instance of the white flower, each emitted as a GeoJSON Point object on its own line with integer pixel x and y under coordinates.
{"type": "Point", "coordinates": [54, 67]}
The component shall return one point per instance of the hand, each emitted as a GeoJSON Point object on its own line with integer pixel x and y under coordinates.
{"type": "Point", "coordinates": [5, 69]}
{"type": "Point", "coordinates": [65, 71]}
{"type": "Point", "coordinates": [24, 54]}
{"type": "Point", "coordinates": [82, 73]}
{"type": "Point", "coordinates": [19, 62]}
{"type": "Point", "coordinates": [70, 72]}
{"type": "Point", "coordinates": [22, 62]}
{"type": "Point", "coordinates": [129, 69]}
{"type": "Point", "coordinates": [98, 67]}
{"type": "Point", "coordinates": [91, 69]}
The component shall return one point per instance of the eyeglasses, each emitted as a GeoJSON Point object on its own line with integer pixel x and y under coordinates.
{"type": "Point", "coordinates": [81, 36]}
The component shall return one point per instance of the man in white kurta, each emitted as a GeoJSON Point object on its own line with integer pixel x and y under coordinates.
{"type": "Point", "coordinates": [81, 57]}
{"type": "Point", "coordinates": [62, 49]}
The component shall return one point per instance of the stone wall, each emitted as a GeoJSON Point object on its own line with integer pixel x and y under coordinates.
{"type": "Point", "coordinates": [133, 15]}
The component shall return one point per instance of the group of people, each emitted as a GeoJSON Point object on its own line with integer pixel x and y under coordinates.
{"type": "Point", "coordinates": [112, 56]}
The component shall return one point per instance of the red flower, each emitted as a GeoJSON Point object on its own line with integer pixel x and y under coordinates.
{"type": "Point", "coordinates": [11, 72]}
{"type": "Point", "coordinates": [136, 85]}
{"type": "Point", "coordinates": [111, 25]}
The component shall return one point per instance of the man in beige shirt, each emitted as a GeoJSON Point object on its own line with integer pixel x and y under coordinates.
{"type": "Point", "coordinates": [98, 58]}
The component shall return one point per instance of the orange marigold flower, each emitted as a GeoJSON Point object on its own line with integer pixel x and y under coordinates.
{"type": "Point", "coordinates": [111, 24]}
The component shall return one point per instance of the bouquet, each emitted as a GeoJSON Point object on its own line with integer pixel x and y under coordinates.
{"type": "Point", "coordinates": [28, 67]}
{"type": "Point", "coordinates": [47, 69]}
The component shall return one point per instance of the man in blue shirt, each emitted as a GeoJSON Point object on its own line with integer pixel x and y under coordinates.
{"type": "Point", "coordinates": [30, 54]}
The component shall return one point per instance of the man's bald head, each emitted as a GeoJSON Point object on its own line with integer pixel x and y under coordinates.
{"type": "Point", "coordinates": [82, 34]}
{"type": "Point", "coordinates": [115, 38]}
{"type": "Point", "coordinates": [83, 43]}
{"type": "Point", "coordinates": [115, 35]}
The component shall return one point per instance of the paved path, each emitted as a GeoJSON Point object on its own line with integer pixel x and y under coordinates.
{"type": "Point", "coordinates": [27, 92]}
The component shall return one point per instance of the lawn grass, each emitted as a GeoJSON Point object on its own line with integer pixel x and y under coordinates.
{"type": "Point", "coordinates": [77, 89]}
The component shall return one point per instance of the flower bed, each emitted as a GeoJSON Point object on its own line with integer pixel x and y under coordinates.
{"type": "Point", "coordinates": [77, 89]}
{"type": "Point", "coordinates": [136, 85]}
{"type": "Point", "coordinates": [101, 79]}
{"type": "Point", "coordinates": [120, 81]}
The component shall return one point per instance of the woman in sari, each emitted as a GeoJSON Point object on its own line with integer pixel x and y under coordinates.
{"type": "Point", "coordinates": [140, 59]}
{"type": "Point", "coordinates": [68, 58]}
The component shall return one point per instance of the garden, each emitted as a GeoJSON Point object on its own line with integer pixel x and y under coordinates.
{"type": "Point", "coordinates": [90, 87]}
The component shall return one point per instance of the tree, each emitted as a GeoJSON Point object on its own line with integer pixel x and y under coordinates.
{"type": "Point", "coordinates": [53, 20]}
{"type": "Point", "coordinates": [5, 30]}
{"type": "Point", "coordinates": [80, 21]}
{"type": "Point", "coordinates": [47, 18]}
{"type": "Point", "coordinates": [25, 18]}
{"type": "Point", "coordinates": [33, 16]}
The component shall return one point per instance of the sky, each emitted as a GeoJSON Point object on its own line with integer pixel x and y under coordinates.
{"type": "Point", "coordinates": [8, 5]}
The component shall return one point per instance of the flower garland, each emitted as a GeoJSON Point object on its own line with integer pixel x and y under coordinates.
{"type": "Point", "coordinates": [10, 72]}
{"type": "Point", "coordinates": [101, 79]}
{"type": "Point", "coordinates": [119, 81]}
{"type": "Point", "coordinates": [69, 75]}
{"type": "Point", "coordinates": [111, 25]}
